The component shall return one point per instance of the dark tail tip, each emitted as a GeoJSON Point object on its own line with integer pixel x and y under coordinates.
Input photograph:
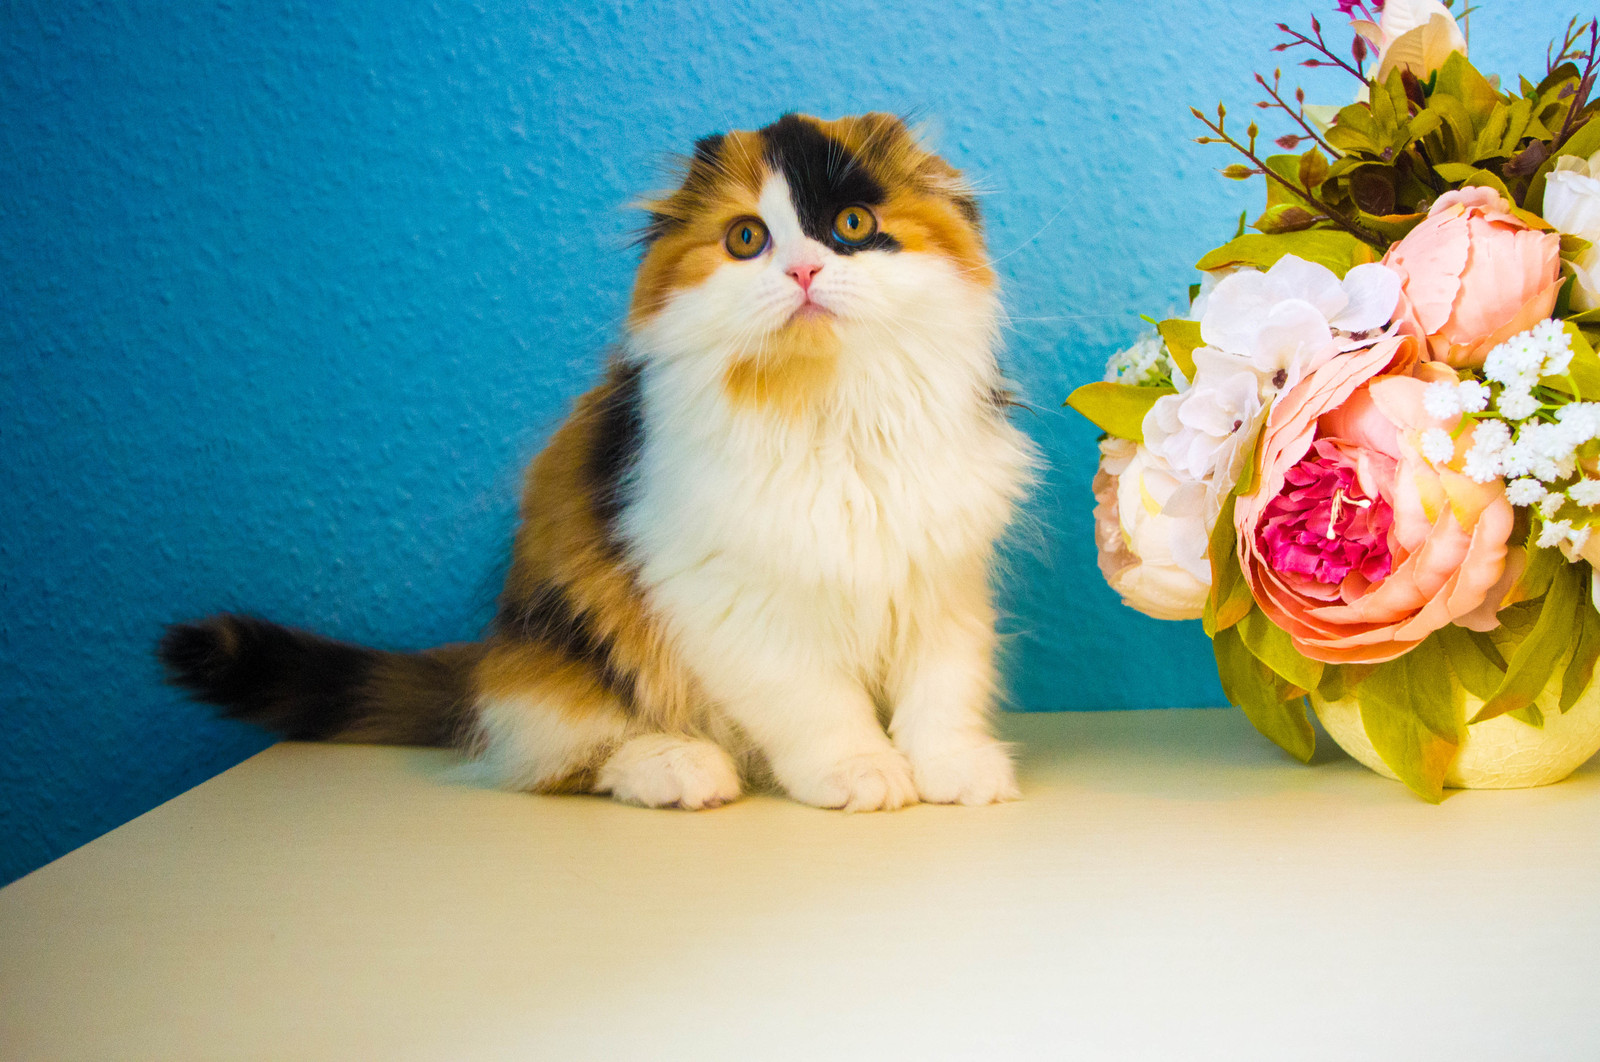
{"type": "Point", "coordinates": [295, 683]}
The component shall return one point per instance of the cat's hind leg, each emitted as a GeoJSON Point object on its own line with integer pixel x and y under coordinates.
{"type": "Point", "coordinates": [541, 723]}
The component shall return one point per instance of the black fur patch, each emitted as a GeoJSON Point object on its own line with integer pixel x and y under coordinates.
{"type": "Point", "coordinates": [824, 177]}
{"type": "Point", "coordinates": [618, 434]}
{"type": "Point", "coordinates": [546, 617]}
{"type": "Point", "coordinates": [292, 682]}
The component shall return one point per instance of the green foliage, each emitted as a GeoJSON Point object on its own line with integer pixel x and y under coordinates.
{"type": "Point", "coordinates": [1271, 645]}
{"type": "Point", "coordinates": [1375, 172]}
{"type": "Point", "coordinates": [1229, 600]}
{"type": "Point", "coordinates": [1181, 336]}
{"type": "Point", "coordinates": [1473, 657]}
{"type": "Point", "coordinates": [1534, 662]}
{"type": "Point", "coordinates": [1274, 706]}
{"type": "Point", "coordinates": [1339, 251]}
{"type": "Point", "coordinates": [1585, 652]}
{"type": "Point", "coordinates": [1117, 409]}
{"type": "Point", "coordinates": [1412, 720]}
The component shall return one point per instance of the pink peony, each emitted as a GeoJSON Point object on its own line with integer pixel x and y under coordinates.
{"type": "Point", "coordinates": [1473, 275]}
{"type": "Point", "coordinates": [1353, 542]}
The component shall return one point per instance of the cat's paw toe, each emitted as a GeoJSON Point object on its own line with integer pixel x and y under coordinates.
{"type": "Point", "coordinates": [662, 771]}
{"type": "Point", "coordinates": [873, 781]}
{"type": "Point", "coordinates": [980, 773]}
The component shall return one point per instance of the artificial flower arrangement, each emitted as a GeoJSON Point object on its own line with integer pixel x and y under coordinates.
{"type": "Point", "coordinates": [1369, 457]}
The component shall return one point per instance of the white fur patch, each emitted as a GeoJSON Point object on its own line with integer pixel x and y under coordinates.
{"type": "Point", "coordinates": [530, 743]}
{"type": "Point", "coordinates": [661, 770]}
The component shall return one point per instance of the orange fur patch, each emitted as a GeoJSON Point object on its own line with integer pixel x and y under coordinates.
{"type": "Point", "coordinates": [791, 370]}
{"type": "Point", "coordinates": [562, 543]}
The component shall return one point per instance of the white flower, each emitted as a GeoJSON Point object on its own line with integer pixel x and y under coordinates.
{"type": "Point", "coordinates": [1577, 538]}
{"type": "Point", "coordinates": [1414, 35]}
{"type": "Point", "coordinates": [1491, 440]}
{"type": "Point", "coordinates": [1203, 432]}
{"type": "Point", "coordinates": [1554, 533]}
{"type": "Point", "coordinates": [1585, 492]}
{"type": "Point", "coordinates": [1544, 451]}
{"type": "Point", "coordinates": [1291, 319]}
{"type": "Point", "coordinates": [1551, 504]}
{"type": "Point", "coordinates": [1139, 543]}
{"type": "Point", "coordinates": [1473, 396]}
{"type": "Point", "coordinates": [1516, 362]}
{"type": "Point", "coordinates": [1517, 404]}
{"type": "Point", "coordinates": [1524, 491]}
{"type": "Point", "coordinates": [1572, 205]}
{"type": "Point", "coordinates": [1437, 446]}
{"type": "Point", "coordinates": [1441, 400]}
{"type": "Point", "coordinates": [1581, 420]}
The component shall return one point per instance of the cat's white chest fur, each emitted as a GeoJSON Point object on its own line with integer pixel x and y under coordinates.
{"type": "Point", "coordinates": [830, 522]}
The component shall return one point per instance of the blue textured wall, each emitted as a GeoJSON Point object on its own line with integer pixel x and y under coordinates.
{"type": "Point", "coordinates": [292, 290]}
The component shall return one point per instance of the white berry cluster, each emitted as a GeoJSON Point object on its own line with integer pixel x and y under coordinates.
{"type": "Point", "coordinates": [1520, 437]}
{"type": "Point", "coordinates": [1144, 364]}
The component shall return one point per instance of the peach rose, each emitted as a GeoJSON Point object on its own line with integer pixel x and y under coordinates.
{"type": "Point", "coordinates": [1353, 542]}
{"type": "Point", "coordinates": [1473, 275]}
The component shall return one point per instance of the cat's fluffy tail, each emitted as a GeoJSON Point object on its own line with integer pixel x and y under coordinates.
{"type": "Point", "coordinates": [307, 687]}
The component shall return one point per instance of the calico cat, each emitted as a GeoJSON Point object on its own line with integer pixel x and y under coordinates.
{"type": "Point", "coordinates": [761, 547]}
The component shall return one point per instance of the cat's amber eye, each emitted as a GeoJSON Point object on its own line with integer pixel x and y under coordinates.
{"type": "Point", "coordinates": [854, 225]}
{"type": "Point", "coordinates": [746, 238]}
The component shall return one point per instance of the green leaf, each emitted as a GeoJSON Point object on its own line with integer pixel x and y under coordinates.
{"type": "Point", "coordinates": [1459, 135]}
{"type": "Point", "coordinates": [1118, 409]}
{"type": "Point", "coordinates": [1474, 659]}
{"type": "Point", "coordinates": [1472, 176]}
{"type": "Point", "coordinates": [1585, 652]}
{"type": "Point", "coordinates": [1181, 336]}
{"type": "Point", "coordinates": [1312, 169]}
{"type": "Point", "coordinates": [1284, 217]}
{"type": "Point", "coordinates": [1337, 250]}
{"type": "Point", "coordinates": [1271, 645]}
{"type": "Point", "coordinates": [1530, 715]}
{"type": "Point", "coordinates": [1459, 78]}
{"type": "Point", "coordinates": [1413, 720]}
{"type": "Point", "coordinates": [1535, 660]}
{"type": "Point", "coordinates": [1543, 565]}
{"type": "Point", "coordinates": [1332, 686]}
{"type": "Point", "coordinates": [1229, 600]}
{"type": "Point", "coordinates": [1272, 706]}
{"type": "Point", "coordinates": [1425, 123]}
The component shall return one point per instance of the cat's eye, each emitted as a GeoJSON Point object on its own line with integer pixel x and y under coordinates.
{"type": "Point", "coordinates": [854, 225]}
{"type": "Point", "coordinates": [746, 238]}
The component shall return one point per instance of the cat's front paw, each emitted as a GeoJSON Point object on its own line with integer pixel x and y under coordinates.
{"type": "Point", "coordinates": [872, 781]}
{"type": "Point", "coordinates": [666, 771]}
{"type": "Point", "coordinates": [979, 773]}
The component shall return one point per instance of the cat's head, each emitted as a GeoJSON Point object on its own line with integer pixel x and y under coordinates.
{"type": "Point", "coordinates": [796, 239]}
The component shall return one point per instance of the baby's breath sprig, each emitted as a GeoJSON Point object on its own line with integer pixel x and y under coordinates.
{"type": "Point", "coordinates": [1539, 440]}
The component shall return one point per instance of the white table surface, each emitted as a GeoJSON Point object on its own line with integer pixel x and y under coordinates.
{"type": "Point", "coordinates": [1172, 887]}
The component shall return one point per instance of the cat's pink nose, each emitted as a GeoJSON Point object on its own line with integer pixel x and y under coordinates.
{"type": "Point", "coordinates": [804, 274]}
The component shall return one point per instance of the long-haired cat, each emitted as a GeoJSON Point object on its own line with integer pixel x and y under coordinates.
{"type": "Point", "coordinates": [762, 546]}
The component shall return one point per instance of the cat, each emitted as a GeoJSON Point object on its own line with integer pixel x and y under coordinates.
{"type": "Point", "coordinates": [760, 550]}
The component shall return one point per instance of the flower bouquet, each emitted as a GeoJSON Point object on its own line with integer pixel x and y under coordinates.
{"type": "Point", "coordinates": [1369, 457]}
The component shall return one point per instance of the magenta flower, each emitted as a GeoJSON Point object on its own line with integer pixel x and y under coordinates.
{"type": "Point", "coordinates": [1327, 523]}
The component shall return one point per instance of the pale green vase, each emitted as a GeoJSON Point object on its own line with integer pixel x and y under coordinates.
{"type": "Point", "coordinates": [1499, 753]}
